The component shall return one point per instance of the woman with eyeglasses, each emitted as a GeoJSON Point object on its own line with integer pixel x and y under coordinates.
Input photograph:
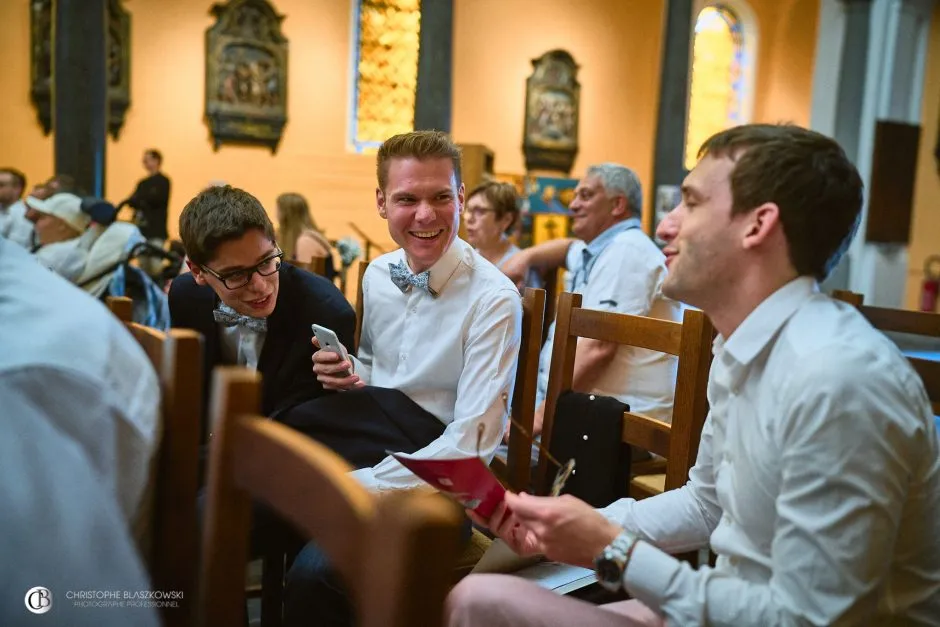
{"type": "Point", "coordinates": [490, 215]}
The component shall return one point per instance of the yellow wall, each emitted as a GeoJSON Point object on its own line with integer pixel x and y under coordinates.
{"type": "Point", "coordinates": [925, 227]}
{"type": "Point", "coordinates": [616, 43]}
{"type": "Point", "coordinates": [786, 51]}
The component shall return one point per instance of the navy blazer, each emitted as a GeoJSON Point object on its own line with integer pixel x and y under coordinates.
{"type": "Point", "coordinates": [285, 363]}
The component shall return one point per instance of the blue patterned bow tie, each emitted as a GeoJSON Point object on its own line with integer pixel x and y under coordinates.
{"type": "Point", "coordinates": [404, 279]}
{"type": "Point", "coordinates": [230, 318]}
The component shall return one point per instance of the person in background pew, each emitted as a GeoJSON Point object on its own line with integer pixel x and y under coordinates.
{"type": "Point", "coordinates": [617, 268]}
{"type": "Point", "coordinates": [252, 309]}
{"type": "Point", "coordinates": [300, 237]}
{"type": "Point", "coordinates": [491, 215]}
{"type": "Point", "coordinates": [13, 222]}
{"type": "Point", "coordinates": [69, 360]}
{"type": "Point", "coordinates": [817, 481]}
{"type": "Point", "coordinates": [437, 357]}
{"type": "Point", "coordinates": [60, 223]}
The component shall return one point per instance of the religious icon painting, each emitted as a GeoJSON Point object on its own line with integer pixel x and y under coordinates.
{"type": "Point", "coordinates": [246, 74]}
{"type": "Point", "coordinates": [552, 105]}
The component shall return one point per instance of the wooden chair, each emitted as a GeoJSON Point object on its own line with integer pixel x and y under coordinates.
{"type": "Point", "coordinates": [517, 470]}
{"type": "Point", "coordinates": [360, 303]}
{"type": "Point", "coordinates": [176, 356]}
{"type": "Point", "coordinates": [122, 307]}
{"type": "Point", "coordinates": [394, 553]}
{"type": "Point", "coordinates": [904, 321]}
{"type": "Point", "coordinates": [690, 341]}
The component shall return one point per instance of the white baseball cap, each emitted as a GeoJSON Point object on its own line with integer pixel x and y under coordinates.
{"type": "Point", "coordinates": [65, 206]}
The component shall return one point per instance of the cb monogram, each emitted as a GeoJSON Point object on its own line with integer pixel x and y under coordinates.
{"type": "Point", "coordinates": [38, 600]}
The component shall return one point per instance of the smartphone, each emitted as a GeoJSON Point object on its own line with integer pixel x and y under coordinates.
{"type": "Point", "coordinates": [329, 342]}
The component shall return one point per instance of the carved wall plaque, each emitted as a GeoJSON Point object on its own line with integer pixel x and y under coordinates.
{"type": "Point", "coordinates": [552, 105]}
{"type": "Point", "coordinates": [246, 74]}
{"type": "Point", "coordinates": [118, 63]}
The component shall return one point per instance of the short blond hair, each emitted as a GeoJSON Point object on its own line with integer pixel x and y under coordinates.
{"type": "Point", "coordinates": [419, 145]}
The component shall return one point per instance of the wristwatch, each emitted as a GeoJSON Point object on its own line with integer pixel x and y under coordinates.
{"type": "Point", "coordinates": [610, 565]}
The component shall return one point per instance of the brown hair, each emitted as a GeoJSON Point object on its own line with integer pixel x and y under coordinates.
{"type": "Point", "coordinates": [419, 145]}
{"type": "Point", "coordinates": [293, 218]}
{"type": "Point", "coordinates": [19, 179]}
{"type": "Point", "coordinates": [501, 197]}
{"type": "Point", "coordinates": [218, 215]}
{"type": "Point", "coordinates": [807, 175]}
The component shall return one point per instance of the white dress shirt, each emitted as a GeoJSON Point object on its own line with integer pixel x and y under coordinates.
{"type": "Point", "coordinates": [77, 364]}
{"type": "Point", "coordinates": [240, 345]}
{"type": "Point", "coordinates": [15, 226]}
{"type": "Point", "coordinates": [454, 355]}
{"type": "Point", "coordinates": [817, 481]}
{"type": "Point", "coordinates": [622, 271]}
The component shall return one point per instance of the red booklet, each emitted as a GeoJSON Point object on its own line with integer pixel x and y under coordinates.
{"type": "Point", "coordinates": [467, 480]}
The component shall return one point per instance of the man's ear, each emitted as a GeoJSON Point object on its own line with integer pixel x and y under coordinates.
{"type": "Point", "coordinates": [380, 203]}
{"type": "Point", "coordinates": [461, 197]}
{"type": "Point", "coordinates": [198, 276]}
{"type": "Point", "coordinates": [760, 224]}
{"type": "Point", "coordinates": [620, 206]}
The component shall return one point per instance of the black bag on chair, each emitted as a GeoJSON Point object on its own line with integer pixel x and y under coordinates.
{"type": "Point", "coordinates": [587, 428]}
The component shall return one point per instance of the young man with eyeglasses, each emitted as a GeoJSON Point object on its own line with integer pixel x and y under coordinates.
{"type": "Point", "coordinates": [252, 309]}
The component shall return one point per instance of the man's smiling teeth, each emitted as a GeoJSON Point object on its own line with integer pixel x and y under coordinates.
{"type": "Point", "coordinates": [425, 234]}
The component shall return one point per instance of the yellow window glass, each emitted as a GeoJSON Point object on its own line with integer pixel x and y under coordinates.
{"type": "Point", "coordinates": [716, 90]}
{"type": "Point", "coordinates": [386, 70]}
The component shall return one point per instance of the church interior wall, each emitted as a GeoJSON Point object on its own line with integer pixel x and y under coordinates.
{"type": "Point", "coordinates": [616, 43]}
{"type": "Point", "coordinates": [925, 221]}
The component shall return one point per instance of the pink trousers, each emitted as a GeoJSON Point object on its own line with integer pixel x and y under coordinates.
{"type": "Point", "coordinates": [507, 601]}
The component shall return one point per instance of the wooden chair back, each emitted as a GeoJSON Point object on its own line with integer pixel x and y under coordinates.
{"type": "Point", "coordinates": [690, 341]}
{"type": "Point", "coordinates": [904, 321]}
{"type": "Point", "coordinates": [122, 307]}
{"type": "Point", "coordinates": [552, 280]}
{"type": "Point", "coordinates": [517, 470]}
{"type": "Point", "coordinates": [360, 302]}
{"type": "Point", "coordinates": [395, 554]}
{"type": "Point", "coordinates": [176, 356]}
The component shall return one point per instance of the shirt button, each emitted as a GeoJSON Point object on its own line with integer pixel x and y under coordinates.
{"type": "Point", "coordinates": [584, 437]}
{"type": "Point", "coordinates": [401, 357]}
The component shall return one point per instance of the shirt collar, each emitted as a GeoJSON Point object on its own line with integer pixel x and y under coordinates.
{"type": "Point", "coordinates": [444, 268]}
{"type": "Point", "coordinates": [602, 241]}
{"type": "Point", "coordinates": [762, 324]}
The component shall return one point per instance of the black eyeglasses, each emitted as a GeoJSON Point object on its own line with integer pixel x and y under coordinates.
{"type": "Point", "coordinates": [240, 278]}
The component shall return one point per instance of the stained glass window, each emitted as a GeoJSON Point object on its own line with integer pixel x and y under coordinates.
{"type": "Point", "coordinates": [716, 93]}
{"type": "Point", "coordinates": [386, 70]}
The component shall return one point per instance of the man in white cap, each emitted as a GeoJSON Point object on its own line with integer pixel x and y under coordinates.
{"type": "Point", "coordinates": [59, 222]}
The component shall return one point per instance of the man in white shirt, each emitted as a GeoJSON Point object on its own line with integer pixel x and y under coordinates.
{"type": "Point", "coordinates": [68, 358]}
{"type": "Point", "coordinates": [437, 356]}
{"type": "Point", "coordinates": [817, 482]}
{"type": "Point", "coordinates": [13, 223]}
{"type": "Point", "coordinates": [617, 268]}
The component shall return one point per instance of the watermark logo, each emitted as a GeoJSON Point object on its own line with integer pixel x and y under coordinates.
{"type": "Point", "coordinates": [38, 600]}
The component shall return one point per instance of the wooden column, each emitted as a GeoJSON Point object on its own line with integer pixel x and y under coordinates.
{"type": "Point", "coordinates": [80, 97]}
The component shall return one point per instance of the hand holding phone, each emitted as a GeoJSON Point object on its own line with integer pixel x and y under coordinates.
{"type": "Point", "coordinates": [326, 366]}
{"type": "Point", "coordinates": [329, 342]}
